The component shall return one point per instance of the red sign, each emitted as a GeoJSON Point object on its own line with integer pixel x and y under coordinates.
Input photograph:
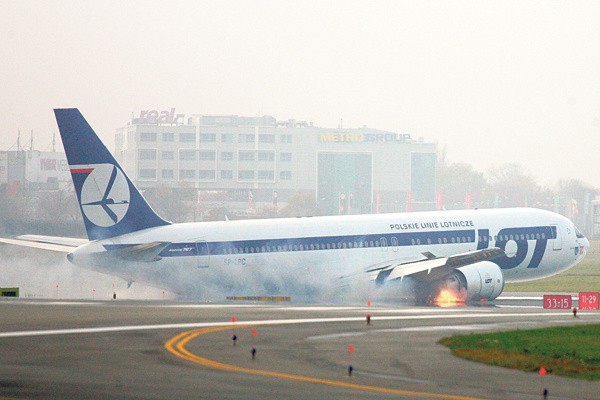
{"type": "Point", "coordinates": [543, 371]}
{"type": "Point", "coordinates": [589, 300]}
{"type": "Point", "coordinates": [557, 301]}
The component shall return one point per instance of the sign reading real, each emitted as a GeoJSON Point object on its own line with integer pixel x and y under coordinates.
{"type": "Point", "coordinates": [159, 117]}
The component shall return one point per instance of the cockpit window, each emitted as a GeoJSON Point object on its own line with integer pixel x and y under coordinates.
{"type": "Point", "coordinates": [578, 233]}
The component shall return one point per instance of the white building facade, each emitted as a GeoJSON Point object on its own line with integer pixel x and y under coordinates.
{"type": "Point", "coordinates": [260, 159]}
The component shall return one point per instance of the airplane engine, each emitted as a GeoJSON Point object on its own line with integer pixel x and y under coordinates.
{"type": "Point", "coordinates": [483, 280]}
{"type": "Point", "coordinates": [475, 282]}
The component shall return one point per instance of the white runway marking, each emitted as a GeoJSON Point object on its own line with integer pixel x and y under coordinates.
{"type": "Point", "coordinates": [129, 328]}
{"type": "Point", "coordinates": [470, 327]}
{"type": "Point", "coordinates": [53, 303]}
{"type": "Point", "coordinates": [507, 306]}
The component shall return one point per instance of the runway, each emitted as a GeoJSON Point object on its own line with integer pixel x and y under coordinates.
{"type": "Point", "coordinates": [166, 350]}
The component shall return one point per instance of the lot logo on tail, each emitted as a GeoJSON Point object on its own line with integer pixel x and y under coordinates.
{"type": "Point", "coordinates": [105, 195]}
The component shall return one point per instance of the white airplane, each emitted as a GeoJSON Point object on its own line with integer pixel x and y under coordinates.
{"type": "Point", "coordinates": [469, 253]}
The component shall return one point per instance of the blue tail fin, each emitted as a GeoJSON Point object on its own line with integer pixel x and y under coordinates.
{"type": "Point", "coordinates": [111, 205]}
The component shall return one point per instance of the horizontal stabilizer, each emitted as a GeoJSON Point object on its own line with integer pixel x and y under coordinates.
{"type": "Point", "coordinates": [38, 245]}
{"type": "Point", "coordinates": [431, 268]}
{"type": "Point", "coordinates": [143, 252]}
{"type": "Point", "coordinates": [59, 240]}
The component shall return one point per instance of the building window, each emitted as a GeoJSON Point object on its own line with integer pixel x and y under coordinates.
{"type": "Point", "coordinates": [285, 175]}
{"type": "Point", "coordinates": [146, 154]}
{"type": "Point", "coordinates": [245, 175]}
{"type": "Point", "coordinates": [266, 156]}
{"type": "Point", "coordinates": [226, 174]}
{"type": "Point", "coordinates": [187, 137]}
{"type": "Point", "coordinates": [285, 138]}
{"type": "Point", "coordinates": [187, 155]}
{"type": "Point", "coordinates": [206, 155]}
{"type": "Point", "coordinates": [266, 138]}
{"type": "Point", "coordinates": [208, 137]}
{"type": "Point", "coordinates": [266, 175]}
{"type": "Point", "coordinates": [168, 155]}
{"type": "Point", "coordinates": [227, 156]}
{"type": "Point", "coordinates": [147, 174]}
{"type": "Point", "coordinates": [187, 174]}
{"type": "Point", "coordinates": [206, 174]}
{"type": "Point", "coordinates": [246, 138]}
{"type": "Point", "coordinates": [147, 137]}
{"type": "Point", "coordinates": [246, 156]}
{"type": "Point", "coordinates": [168, 174]}
{"type": "Point", "coordinates": [227, 137]}
{"type": "Point", "coordinates": [285, 157]}
{"type": "Point", "coordinates": [168, 137]}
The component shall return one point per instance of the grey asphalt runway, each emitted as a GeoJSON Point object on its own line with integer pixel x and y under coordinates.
{"type": "Point", "coordinates": [167, 350]}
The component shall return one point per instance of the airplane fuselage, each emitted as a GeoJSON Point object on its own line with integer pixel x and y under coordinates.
{"type": "Point", "coordinates": [537, 244]}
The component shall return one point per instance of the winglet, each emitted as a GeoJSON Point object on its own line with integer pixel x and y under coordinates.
{"type": "Point", "coordinates": [110, 203]}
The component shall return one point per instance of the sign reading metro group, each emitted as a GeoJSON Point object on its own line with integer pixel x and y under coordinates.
{"type": "Point", "coordinates": [349, 137]}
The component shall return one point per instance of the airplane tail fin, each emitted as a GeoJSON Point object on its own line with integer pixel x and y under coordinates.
{"type": "Point", "coordinates": [110, 203]}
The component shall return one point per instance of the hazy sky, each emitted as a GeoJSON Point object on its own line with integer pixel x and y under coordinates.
{"type": "Point", "coordinates": [492, 81]}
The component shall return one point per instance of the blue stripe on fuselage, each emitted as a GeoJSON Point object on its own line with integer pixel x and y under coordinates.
{"type": "Point", "coordinates": [323, 243]}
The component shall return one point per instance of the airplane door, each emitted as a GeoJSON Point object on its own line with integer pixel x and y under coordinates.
{"type": "Point", "coordinates": [395, 243]}
{"type": "Point", "coordinates": [383, 243]}
{"type": "Point", "coordinates": [557, 243]}
{"type": "Point", "coordinates": [202, 254]}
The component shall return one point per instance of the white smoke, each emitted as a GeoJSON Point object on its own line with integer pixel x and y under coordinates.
{"type": "Point", "coordinates": [48, 275]}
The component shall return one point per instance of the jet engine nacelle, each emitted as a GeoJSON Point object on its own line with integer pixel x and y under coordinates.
{"type": "Point", "coordinates": [480, 281]}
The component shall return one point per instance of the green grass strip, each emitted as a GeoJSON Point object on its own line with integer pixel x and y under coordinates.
{"type": "Point", "coordinates": [566, 351]}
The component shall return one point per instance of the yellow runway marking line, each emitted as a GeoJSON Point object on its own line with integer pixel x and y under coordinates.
{"type": "Point", "coordinates": [176, 346]}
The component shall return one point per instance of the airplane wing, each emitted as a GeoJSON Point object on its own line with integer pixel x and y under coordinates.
{"type": "Point", "coordinates": [430, 268]}
{"type": "Point", "coordinates": [52, 243]}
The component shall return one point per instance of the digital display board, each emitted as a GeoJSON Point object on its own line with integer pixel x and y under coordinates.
{"type": "Point", "coordinates": [589, 300]}
{"type": "Point", "coordinates": [557, 301]}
